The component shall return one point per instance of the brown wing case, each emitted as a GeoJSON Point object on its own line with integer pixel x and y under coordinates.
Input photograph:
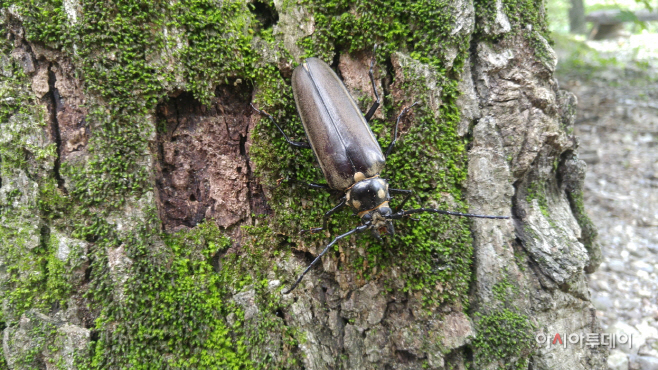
{"type": "Point", "coordinates": [336, 129]}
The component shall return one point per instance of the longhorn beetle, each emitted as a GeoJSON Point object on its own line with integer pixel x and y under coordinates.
{"type": "Point", "coordinates": [348, 153]}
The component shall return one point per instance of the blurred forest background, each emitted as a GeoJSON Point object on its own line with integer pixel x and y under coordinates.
{"type": "Point", "coordinates": [612, 68]}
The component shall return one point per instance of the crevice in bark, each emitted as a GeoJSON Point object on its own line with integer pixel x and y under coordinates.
{"type": "Point", "coordinates": [265, 13]}
{"type": "Point", "coordinates": [544, 280]}
{"type": "Point", "coordinates": [472, 54]}
{"type": "Point", "coordinates": [405, 357]}
{"type": "Point", "coordinates": [55, 105]}
{"type": "Point", "coordinates": [278, 312]}
{"type": "Point", "coordinates": [389, 71]}
{"type": "Point", "coordinates": [335, 62]}
{"type": "Point", "coordinates": [88, 272]}
{"type": "Point", "coordinates": [305, 256]}
{"type": "Point", "coordinates": [94, 335]}
{"type": "Point", "coordinates": [44, 233]}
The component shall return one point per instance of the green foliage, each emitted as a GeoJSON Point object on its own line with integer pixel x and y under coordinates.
{"type": "Point", "coordinates": [584, 63]}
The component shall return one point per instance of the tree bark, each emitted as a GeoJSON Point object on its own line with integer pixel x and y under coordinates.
{"type": "Point", "coordinates": [150, 218]}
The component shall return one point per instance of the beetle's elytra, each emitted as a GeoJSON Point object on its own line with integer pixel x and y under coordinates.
{"type": "Point", "coordinates": [337, 131]}
{"type": "Point", "coordinates": [347, 151]}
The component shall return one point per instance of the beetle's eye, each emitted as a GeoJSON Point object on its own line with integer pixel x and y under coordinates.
{"type": "Point", "coordinates": [367, 217]}
{"type": "Point", "coordinates": [385, 211]}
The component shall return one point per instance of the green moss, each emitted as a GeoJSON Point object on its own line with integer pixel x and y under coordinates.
{"type": "Point", "coordinates": [523, 15]}
{"type": "Point", "coordinates": [504, 334]}
{"type": "Point", "coordinates": [45, 21]}
{"type": "Point", "coordinates": [52, 203]}
{"type": "Point", "coordinates": [36, 277]}
{"type": "Point", "coordinates": [41, 333]}
{"type": "Point", "coordinates": [176, 304]}
{"type": "Point", "coordinates": [422, 28]}
{"type": "Point", "coordinates": [218, 43]}
{"type": "Point", "coordinates": [174, 310]}
{"type": "Point", "coordinates": [520, 259]}
{"type": "Point", "coordinates": [3, 362]}
{"type": "Point", "coordinates": [537, 191]}
{"type": "Point", "coordinates": [504, 289]}
{"type": "Point", "coordinates": [589, 232]}
{"type": "Point", "coordinates": [527, 18]}
{"type": "Point", "coordinates": [504, 337]}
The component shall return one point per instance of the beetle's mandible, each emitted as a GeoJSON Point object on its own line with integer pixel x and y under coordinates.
{"type": "Point", "coordinates": [347, 151]}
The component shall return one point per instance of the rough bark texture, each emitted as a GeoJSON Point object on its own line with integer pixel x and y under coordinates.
{"type": "Point", "coordinates": [149, 218]}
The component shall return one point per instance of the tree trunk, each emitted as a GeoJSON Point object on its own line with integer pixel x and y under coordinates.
{"type": "Point", "coordinates": [577, 22]}
{"type": "Point", "coordinates": [150, 218]}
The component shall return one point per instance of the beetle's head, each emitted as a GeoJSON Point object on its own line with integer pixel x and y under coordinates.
{"type": "Point", "coordinates": [369, 199]}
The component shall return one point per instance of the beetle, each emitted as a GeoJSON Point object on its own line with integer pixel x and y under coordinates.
{"type": "Point", "coordinates": [348, 152]}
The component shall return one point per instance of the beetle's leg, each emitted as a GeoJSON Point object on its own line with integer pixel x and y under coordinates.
{"type": "Point", "coordinates": [313, 185]}
{"type": "Point", "coordinates": [395, 133]}
{"type": "Point", "coordinates": [409, 193]}
{"type": "Point", "coordinates": [375, 105]}
{"type": "Point", "coordinates": [297, 144]}
{"type": "Point", "coordinates": [337, 208]}
{"type": "Point", "coordinates": [299, 279]}
{"type": "Point", "coordinates": [325, 219]}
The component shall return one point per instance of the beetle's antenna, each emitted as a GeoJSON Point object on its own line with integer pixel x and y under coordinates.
{"type": "Point", "coordinates": [433, 210]}
{"type": "Point", "coordinates": [355, 230]}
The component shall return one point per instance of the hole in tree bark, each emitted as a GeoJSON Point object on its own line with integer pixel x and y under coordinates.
{"type": "Point", "coordinates": [203, 167]}
{"type": "Point", "coordinates": [265, 14]}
